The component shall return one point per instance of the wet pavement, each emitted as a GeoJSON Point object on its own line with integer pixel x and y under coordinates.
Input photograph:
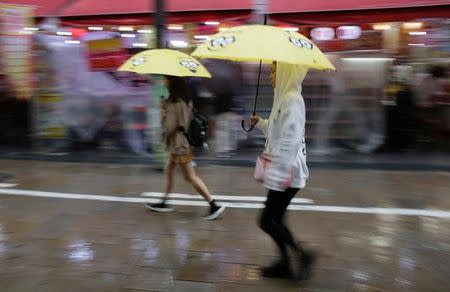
{"type": "Point", "coordinates": [412, 160]}
{"type": "Point", "coordinates": [82, 227]}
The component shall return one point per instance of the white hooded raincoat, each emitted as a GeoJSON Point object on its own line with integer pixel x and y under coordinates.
{"type": "Point", "coordinates": [285, 131]}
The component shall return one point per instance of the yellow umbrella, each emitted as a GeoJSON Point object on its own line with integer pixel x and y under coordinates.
{"type": "Point", "coordinates": [165, 62]}
{"type": "Point", "coordinates": [263, 43]}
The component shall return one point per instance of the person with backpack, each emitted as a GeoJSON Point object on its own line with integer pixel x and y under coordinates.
{"type": "Point", "coordinates": [177, 117]}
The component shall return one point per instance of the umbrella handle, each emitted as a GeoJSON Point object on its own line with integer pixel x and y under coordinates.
{"type": "Point", "coordinates": [245, 129]}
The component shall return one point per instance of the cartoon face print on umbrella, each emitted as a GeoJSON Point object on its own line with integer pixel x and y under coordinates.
{"type": "Point", "coordinates": [221, 42]}
{"type": "Point", "coordinates": [189, 64]}
{"type": "Point", "coordinates": [301, 43]}
{"type": "Point", "coordinates": [138, 61]}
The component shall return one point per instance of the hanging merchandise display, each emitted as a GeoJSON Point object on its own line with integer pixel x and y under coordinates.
{"type": "Point", "coordinates": [49, 126]}
{"type": "Point", "coordinates": [16, 24]}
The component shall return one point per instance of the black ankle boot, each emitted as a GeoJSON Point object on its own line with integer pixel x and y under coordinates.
{"type": "Point", "coordinates": [308, 260]}
{"type": "Point", "coordinates": [279, 269]}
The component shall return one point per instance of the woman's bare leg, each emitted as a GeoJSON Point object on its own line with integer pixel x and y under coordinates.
{"type": "Point", "coordinates": [196, 181]}
{"type": "Point", "coordinates": [170, 173]}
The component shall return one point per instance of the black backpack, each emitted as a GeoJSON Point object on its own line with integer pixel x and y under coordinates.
{"type": "Point", "coordinates": [197, 134]}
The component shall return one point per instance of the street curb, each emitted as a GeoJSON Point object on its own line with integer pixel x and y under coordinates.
{"type": "Point", "coordinates": [150, 161]}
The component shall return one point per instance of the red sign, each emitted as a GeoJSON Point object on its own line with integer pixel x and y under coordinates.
{"type": "Point", "coordinates": [106, 54]}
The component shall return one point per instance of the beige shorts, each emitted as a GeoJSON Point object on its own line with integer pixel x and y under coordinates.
{"type": "Point", "coordinates": [181, 158]}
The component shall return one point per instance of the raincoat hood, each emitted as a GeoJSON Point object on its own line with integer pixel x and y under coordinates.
{"type": "Point", "coordinates": [289, 79]}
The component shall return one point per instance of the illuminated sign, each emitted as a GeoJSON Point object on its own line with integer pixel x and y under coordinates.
{"type": "Point", "coordinates": [348, 32]}
{"type": "Point", "coordinates": [322, 33]}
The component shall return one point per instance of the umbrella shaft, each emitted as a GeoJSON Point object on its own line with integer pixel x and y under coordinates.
{"type": "Point", "coordinates": [259, 75]}
{"type": "Point", "coordinates": [257, 87]}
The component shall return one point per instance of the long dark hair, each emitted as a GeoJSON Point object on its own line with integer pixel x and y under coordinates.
{"type": "Point", "coordinates": [178, 89]}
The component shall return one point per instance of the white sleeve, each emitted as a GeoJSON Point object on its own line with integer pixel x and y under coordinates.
{"type": "Point", "coordinates": [292, 123]}
{"type": "Point", "coordinates": [263, 124]}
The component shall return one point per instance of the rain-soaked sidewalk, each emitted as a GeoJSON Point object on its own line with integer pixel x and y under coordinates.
{"type": "Point", "coordinates": [412, 160]}
{"type": "Point", "coordinates": [82, 227]}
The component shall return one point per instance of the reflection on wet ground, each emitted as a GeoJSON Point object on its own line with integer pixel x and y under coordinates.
{"type": "Point", "coordinates": [55, 244]}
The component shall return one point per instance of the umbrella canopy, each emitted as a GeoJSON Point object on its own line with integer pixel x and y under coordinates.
{"type": "Point", "coordinates": [263, 43]}
{"type": "Point", "coordinates": [165, 62]}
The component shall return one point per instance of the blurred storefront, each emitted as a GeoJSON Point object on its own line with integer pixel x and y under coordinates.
{"type": "Point", "coordinates": [364, 39]}
{"type": "Point", "coordinates": [369, 42]}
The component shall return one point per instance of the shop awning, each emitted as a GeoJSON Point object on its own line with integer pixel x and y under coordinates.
{"type": "Point", "coordinates": [357, 11]}
{"type": "Point", "coordinates": [43, 7]}
{"type": "Point", "coordinates": [115, 7]}
{"type": "Point", "coordinates": [136, 12]}
{"type": "Point", "coordinates": [146, 19]}
{"type": "Point", "coordinates": [122, 12]}
{"type": "Point", "coordinates": [289, 6]}
{"type": "Point", "coordinates": [364, 16]}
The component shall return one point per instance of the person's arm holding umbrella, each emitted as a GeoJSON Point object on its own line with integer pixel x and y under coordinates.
{"type": "Point", "coordinates": [260, 123]}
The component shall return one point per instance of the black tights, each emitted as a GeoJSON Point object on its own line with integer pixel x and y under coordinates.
{"type": "Point", "coordinates": [271, 220]}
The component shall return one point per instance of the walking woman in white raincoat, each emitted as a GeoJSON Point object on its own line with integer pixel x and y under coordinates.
{"type": "Point", "coordinates": [282, 167]}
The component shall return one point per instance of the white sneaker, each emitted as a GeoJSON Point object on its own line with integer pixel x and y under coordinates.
{"type": "Point", "coordinates": [160, 207]}
{"type": "Point", "coordinates": [214, 214]}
